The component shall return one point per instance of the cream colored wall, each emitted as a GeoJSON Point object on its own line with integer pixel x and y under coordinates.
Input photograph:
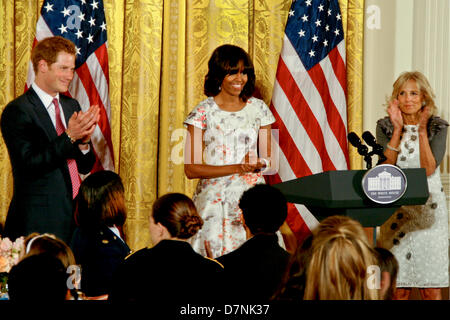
{"type": "Point", "coordinates": [387, 52]}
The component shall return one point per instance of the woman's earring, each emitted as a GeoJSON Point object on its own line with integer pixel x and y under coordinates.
{"type": "Point", "coordinates": [220, 88]}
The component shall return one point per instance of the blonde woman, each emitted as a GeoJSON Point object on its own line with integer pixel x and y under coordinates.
{"type": "Point", "coordinates": [413, 137]}
{"type": "Point", "coordinates": [339, 262]}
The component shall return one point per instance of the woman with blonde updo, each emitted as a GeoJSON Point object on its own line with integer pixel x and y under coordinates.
{"type": "Point", "coordinates": [338, 265]}
{"type": "Point", "coordinates": [170, 271]}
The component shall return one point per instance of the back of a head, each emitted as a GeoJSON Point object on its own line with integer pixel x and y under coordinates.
{"type": "Point", "coordinates": [101, 201]}
{"type": "Point", "coordinates": [264, 208]}
{"type": "Point", "coordinates": [178, 214]}
{"type": "Point", "coordinates": [388, 263]}
{"type": "Point", "coordinates": [292, 287]}
{"type": "Point", "coordinates": [49, 244]}
{"type": "Point", "coordinates": [338, 266]}
{"type": "Point", "coordinates": [39, 277]}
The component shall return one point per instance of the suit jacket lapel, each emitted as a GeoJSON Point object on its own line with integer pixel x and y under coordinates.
{"type": "Point", "coordinates": [68, 110]}
{"type": "Point", "coordinates": [41, 114]}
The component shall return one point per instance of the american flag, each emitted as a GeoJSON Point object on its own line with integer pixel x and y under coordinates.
{"type": "Point", "coordinates": [83, 22]}
{"type": "Point", "coordinates": [309, 99]}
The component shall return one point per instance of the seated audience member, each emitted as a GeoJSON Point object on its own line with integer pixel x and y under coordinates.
{"type": "Point", "coordinates": [38, 278]}
{"type": "Point", "coordinates": [49, 244]}
{"type": "Point", "coordinates": [339, 260]}
{"type": "Point", "coordinates": [389, 269]}
{"type": "Point", "coordinates": [292, 287]}
{"type": "Point", "coordinates": [255, 269]}
{"type": "Point", "coordinates": [171, 271]}
{"type": "Point", "coordinates": [36, 243]}
{"type": "Point", "coordinates": [97, 243]}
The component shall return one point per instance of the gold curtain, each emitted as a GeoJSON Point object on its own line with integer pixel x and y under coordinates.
{"type": "Point", "coordinates": [158, 52]}
{"type": "Point", "coordinates": [353, 23]}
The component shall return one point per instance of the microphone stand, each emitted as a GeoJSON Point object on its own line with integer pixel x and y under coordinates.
{"type": "Point", "coordinates": [363, 151]}
{"type": "Point", "coordinates": [378, 150]}
{"type": "Point", "coordinates": [368, 160]}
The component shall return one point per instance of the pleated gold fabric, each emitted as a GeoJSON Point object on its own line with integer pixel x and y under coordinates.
{"type": "Point", "coordinates": [353, 20]}
{"type": "Point", "coordinates": [158, 53]}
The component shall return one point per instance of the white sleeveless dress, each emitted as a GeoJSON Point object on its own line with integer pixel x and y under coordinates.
{"type": "Point", "coordinates": [418, 235]}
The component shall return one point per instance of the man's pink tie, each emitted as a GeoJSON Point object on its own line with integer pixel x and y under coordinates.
{"type": "Point", "coordinates": [73, 169]}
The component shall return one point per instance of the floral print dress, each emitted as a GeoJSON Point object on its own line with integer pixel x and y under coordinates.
{"type": "Point", "coordinates": [228, 137]}
{"type": "Point", "coordinates": [418, 235]}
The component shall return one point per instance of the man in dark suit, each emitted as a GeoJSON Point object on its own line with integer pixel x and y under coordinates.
{"type": "Point", "coordinates": [254, 270]}
{"type": "Point", "coordinates": [48, 141]}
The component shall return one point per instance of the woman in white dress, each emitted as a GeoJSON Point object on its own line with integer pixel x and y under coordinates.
{"type": "Point", "coordinates": [417, 235]}
{"type": "Point", "coordinates": [228, 147]}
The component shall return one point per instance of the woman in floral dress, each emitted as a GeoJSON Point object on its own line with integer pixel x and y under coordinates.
{"type": "Point", "coordinates": [417, 235]}
{"type": "Point", "coordinates": [228, 148]}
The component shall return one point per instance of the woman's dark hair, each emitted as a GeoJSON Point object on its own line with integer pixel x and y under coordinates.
{"type": "Point", "coordinates": [101, 201]}
{"type": "Point", "coordinates": [38, 278]}
{"type": "Point", "coordinates": [224, 61]}
{"type": "Point", "coordinates": [292, 286]}
{"type": "Point", "coordinates": [178, 214]}
{"type": "Point", "coordinates": [36, 243]}
{"type": "Point", "coordinates": [264, 208]}
{"type": "Point", "coordinates": [388, 263]}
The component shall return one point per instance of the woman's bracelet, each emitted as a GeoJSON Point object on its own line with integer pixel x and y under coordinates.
{"type": "Point", "coordinates": [266, 164]}
{"type": "Point", "coordinates": [392, 148]}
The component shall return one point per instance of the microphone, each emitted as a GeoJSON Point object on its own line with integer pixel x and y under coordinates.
{"type": "Point", "coordinates": [376, 148]}
{"type": "Point", "coordinates": [362, 148]}
{"type": "Point", "coordinates": [370, 139]}
{"type": "Point", "coordinates": [356, 142]}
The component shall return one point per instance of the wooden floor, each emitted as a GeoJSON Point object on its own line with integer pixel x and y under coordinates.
{"type": "Point", "coordinates": [415, 294]}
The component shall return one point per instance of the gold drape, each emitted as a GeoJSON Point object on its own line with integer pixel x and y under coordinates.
{"type": "Point", "coordinates": [158, 52]}
{"type": "Point", "coordinates": [353, 23]}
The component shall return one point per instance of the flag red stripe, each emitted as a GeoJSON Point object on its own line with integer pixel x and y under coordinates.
{"type": "Point", "coordinates": [290, 150]}
{"type": "Point", "coordinates": [333, 115]}
{"type": "Point", "coordinates": [339, 68]}
{"type": "Point", "coordinates": [304, 114]}
{"type": "Point", "coordinates": [102, 57]}
{"type": "Point", "coordinates": [94, 98]}
{"type": "Point", "coordinates": [98, 164]}
{"type": "Point", "coordinates": [296, 223]}
{"type": "Point", "coordinates": [294, 218]}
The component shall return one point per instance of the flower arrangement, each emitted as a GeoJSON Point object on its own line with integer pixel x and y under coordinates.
{"type": "Point", "coordinates": [10, 254]}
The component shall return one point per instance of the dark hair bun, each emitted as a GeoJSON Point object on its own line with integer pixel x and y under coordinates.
{"type": "Point", "coordinates": [189, 226]}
